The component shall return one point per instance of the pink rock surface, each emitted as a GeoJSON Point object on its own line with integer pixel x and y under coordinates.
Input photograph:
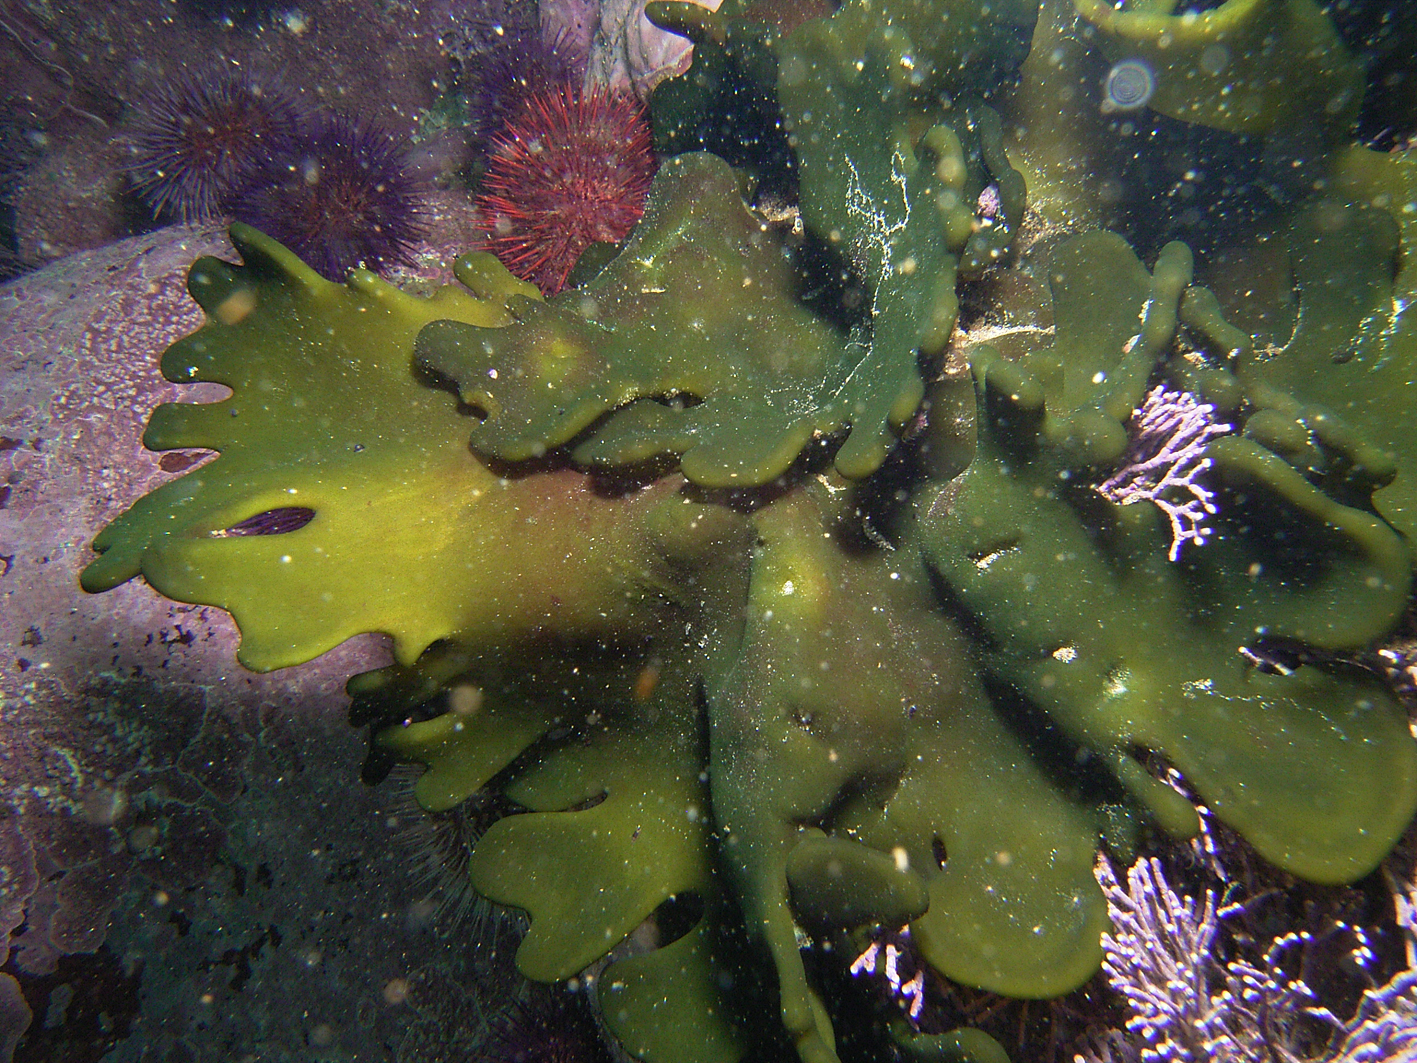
{"type": "Point", "coordinates": [80, 343]}
{"type": "Point", "coordinates": [629, 52]}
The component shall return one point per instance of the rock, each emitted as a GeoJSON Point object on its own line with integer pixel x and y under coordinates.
{"type": "Point", "coordinates": [630, 52]}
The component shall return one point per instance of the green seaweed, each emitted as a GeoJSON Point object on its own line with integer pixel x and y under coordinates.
{"type": "Point", "coordinates": [729, 105]}
{"type": "Point", "coordinates": [1120, 650]}
{"type": "Point", "coordinates": [1331, 398]}
{"type": "Point", "coordinates": [294, 349]}
{"type": "Point", "coordinates": [1247, 66]}
{"type": "Point", "coordinates": [794, 724]}
{"type": "Point", "coordinates": [684, 567]}
{"type": "Point", "coordinates": [892, 178]}
{"type": "Point", "coordinates": [753, 377]}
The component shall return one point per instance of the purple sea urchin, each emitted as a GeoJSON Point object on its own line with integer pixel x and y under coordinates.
{"type": "Point", "coordinates": [546, 1026]}
{"type": "Point", "coordinates": [344, 197]}
{"type": "Point", "coordinates": [204, 136]}
{"type": "Point", "coordinates": [522, 64]}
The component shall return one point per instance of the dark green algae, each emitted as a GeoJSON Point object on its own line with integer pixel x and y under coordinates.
{"type": "Point", "coordinates": [719, 599]}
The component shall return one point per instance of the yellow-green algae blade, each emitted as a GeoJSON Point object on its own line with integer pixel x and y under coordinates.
{"type": "Point", "coordinates": [327, 415]}
{"type": "Point", "coordinates": [618, 826]}
{"type": "Point", "coordinates": [668, 1005]}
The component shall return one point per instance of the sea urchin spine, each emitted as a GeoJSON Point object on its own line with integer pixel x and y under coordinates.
{"type": "Point", "coordinates": [570, 169]}
{"type": "Point", "coordinates": [345, 197]}
{"type": "Point", "coordinates": [202, 138]}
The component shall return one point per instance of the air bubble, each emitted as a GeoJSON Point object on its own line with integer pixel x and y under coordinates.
{"type": "Point", "coordinates": [1129, 86]}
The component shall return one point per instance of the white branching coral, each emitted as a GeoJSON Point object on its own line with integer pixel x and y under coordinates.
{"type": "Point", "coordinates": [1189, 1004]}
{"type": "Point", "coordinates": [1165, 463]}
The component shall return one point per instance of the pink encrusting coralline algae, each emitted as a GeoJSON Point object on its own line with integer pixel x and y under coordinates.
{"type": "Point", "coordinates": [1170, 432]}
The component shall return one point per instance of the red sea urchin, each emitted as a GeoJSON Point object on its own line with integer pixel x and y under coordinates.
{"type": "Point", "coordinates": [570, 169]}
{"type": "Point", "coordinates": [344, 197]}
{"type": "Point", "coordinates": [201, 138]}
